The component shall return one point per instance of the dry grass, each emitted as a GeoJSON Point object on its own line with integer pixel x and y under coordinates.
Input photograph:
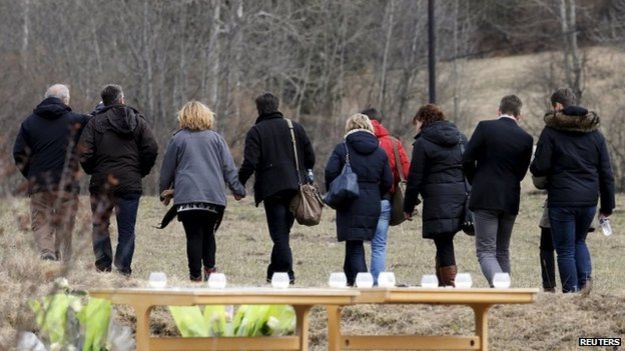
{"type": "Point", "coordinates": [554, 322]}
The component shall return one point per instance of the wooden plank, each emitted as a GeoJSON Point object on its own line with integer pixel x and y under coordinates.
{"type": "Point", "coordinates": [448, 296]}
{"type": "Point", "coordinates": [409, 342]}
{"type": "Point", "coordinates": [209, 344]}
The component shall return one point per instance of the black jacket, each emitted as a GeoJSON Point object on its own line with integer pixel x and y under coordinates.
{"type": "Point", "coordinates": [436, 174]}
{"type": "Point", "coordinates": [117, 150]}
{"type": "Point", "coordinates": [359, 219]}
{"type": "Point", "coordinates": [269, 153]}
{"type": "Point", "coordinates": [573, 155]}
{"type": "Point", "coordinates": [45, 147]}
{"type": "Point", "coordinates": [495, 163]}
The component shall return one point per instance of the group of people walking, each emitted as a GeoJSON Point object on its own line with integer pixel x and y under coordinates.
{"type": "Point", "coordinates": [455, 178]}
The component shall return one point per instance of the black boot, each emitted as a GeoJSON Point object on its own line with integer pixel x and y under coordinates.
{"type": "Point", "coordinates": [548, 270]}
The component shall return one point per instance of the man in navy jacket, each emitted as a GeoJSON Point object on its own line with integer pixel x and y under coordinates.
{"type": "Point", "coordinates": [573, 155]}
{"type": "Point", "coordinates": [495, 162]}
{"type": "Point", "coordinates": [45, 153]}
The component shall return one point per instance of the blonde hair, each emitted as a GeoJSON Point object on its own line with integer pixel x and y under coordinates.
{"type": "Point", "coordinates": [358, 121]}
{"type": "Point", "coordinates": [194, 115]}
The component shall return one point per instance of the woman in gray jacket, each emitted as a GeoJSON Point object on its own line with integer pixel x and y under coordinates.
{"type": "Point", "coordinates": [197, 166]}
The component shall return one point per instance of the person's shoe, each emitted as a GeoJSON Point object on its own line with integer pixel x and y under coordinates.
{"type": "Point", "coordinates": [196, 279]}
{"type": "Point", "coordinates": [448, 275]}
{"type": "Point", "coordinates": [48, 256]}
{"type": "Point", "coordinates": [439, 276]}
{"type": "Point", "coordinates": [208, 271]}
{"type": "Point", "coordinates": [101, 269]}
{"type": "Point", "coordinates": [549, 290]}
{"type": "Point", "coordinates": [585, 290]}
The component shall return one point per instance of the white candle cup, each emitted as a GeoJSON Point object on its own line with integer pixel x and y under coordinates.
{"type": "Point", "coordinates": [337, 280]}
{"type": "Point", "coordinates": [463, 281]}
{"type": "Point", "coordinates": [157, 280]}
{"type": "Point", "coordinates": [280, 280]}
{"type": "Point", "coordinates": [386, 280]}
{"type": "Point", "coordinates": [429, 281]}
{"type": "Point", "coordinates": [364, 280]}
{"type": "Point", "coordinates": [217, 281]}
{"type": "Point", "coordinates": [501, 280]}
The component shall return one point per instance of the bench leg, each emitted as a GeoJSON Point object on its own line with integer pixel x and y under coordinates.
{"type": "Point", "coordinates": [301, 313]}
{"type": "Point", "coordinates": [481, 324]}
{"type": "Point", "coordinates": [334, 327]}
{"type": "Point", "coordinates": [142, 336]}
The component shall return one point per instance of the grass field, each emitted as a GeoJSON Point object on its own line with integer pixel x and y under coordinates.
{"type": "Point", "coordinates": [554, 322]}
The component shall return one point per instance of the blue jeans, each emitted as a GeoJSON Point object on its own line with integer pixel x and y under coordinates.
{"type": "Point", "coordinates": [569, 228]}
{"type": "Point", "coordinates": [378, 243]}
{"type": "Point", "coordinates": [126, 207]}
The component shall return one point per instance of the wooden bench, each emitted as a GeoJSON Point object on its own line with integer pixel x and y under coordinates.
{"type": "Point", "coordinates": [302, 300]}
{"type": "Point", "coordinates": [480, 300]}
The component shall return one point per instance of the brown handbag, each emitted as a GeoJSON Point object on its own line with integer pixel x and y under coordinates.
{"type": "Point", "coordinates": [307, 204]}
{"type": "Point", "coordinates": [397, 199]}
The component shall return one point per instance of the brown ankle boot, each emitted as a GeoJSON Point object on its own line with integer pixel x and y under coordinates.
{"type": "Point", "coordinates": [437, 269]}
{"type": "Point", "coordinates": [448, 275]}
{"type": "Point", "coordinates": [208, 271]}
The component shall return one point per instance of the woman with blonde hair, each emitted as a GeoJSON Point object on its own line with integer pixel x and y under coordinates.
{"type": "Point", "coordinates": [197, 165]}
{"type": "Point", "coordinates": [356, 221]}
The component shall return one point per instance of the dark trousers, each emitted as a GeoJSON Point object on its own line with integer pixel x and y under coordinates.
{"type": "Point", "coordinates": [126, 207]}
{"type": "Point", "coordinates": [199, 227]}
{"type": "Point", "coordinates": [569, 228]}
{"type": "Point", "coordinates": [547, 260]}
{"type": "Point", "coordinates": [280, 220]}
{"type": "Point", "coordinates": [354, 260]}
{"type": "Point", "coordinates": [445, 250]}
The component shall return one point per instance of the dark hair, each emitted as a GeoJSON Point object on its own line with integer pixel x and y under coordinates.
{"type": "Point", "coordinates": [564, 96]}
{"type": "Point", "coordinates": [111, 94]}
{"type": "Point", "coordinates": [267, 103]}
{"type": "Point", "coordinates": [510, 104]}
{"type": "Point", "coordinates": [373, 114]}
{"type": "Point", "coordinates": [428, 114]}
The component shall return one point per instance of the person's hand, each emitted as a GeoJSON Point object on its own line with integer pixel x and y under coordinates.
{"type": "Point", "coordinates": [165, 200]}
{"type": "Point", "coordinates": [238, 197]}
{"type": "Point", "coordinates": [408, 216]}
{"type": "Point", "coordinates": [603, 216]}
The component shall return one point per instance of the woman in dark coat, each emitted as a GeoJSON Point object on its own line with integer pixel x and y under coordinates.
{"type": "Point", "coordinates": [436, 174]}
{"type": "Point", "coordinates": [357, 221]}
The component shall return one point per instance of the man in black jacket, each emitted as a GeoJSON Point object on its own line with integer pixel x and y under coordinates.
{"type": "Point", "coordinates": [117, 150]}
{"type": "Point", "coordinates": [45, 153]}
{"type": "Point", "coordinates": [269, 154]}
{"type": "Point", "coordinates": [573, 155]}
{"type": "Point", "coordinates": [495, 162]}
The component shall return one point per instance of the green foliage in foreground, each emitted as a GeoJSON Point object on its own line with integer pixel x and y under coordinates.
{"type": "Point", "coordinates": [70, 321]}
{"type": "Point", "coordinates": [249, 320]}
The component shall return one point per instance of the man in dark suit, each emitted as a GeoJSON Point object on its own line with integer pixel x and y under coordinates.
{"type": "Point", "coordinates": [270, 156]}
{"type": "Point", "coordinates": [495, 162]}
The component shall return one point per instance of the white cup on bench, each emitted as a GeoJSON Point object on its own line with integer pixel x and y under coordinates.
{"type": "Point", "coordinates": [386, 280]}
{"type": "Point", "coordinates": [429, 281]}
{"type": "Point", "coordinates": [463, 281]}
{"type": "Point", "coordinates": [337, 280]}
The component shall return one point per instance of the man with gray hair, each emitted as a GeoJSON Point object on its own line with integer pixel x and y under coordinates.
{"type": "Point", "coordinates": [118, 149]}
{"type": "Point", "coordinates": [45, 153]}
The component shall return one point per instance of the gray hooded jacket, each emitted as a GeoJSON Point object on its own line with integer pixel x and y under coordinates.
{"type": "Point", "coordinates": [198, 165]}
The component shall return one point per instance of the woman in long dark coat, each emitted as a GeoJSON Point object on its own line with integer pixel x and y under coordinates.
{"type": "Point", "coordinates": [357, 221]}
{"type": "Point", "coordinates": [436, 174]}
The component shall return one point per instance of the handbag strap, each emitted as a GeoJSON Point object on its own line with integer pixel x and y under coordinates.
{"type": "Point", "coordinates": [294, 141]}
{"type": "Point", "coordinates": [347, 154]}
{"type": "Point", "coordinates": [466, 182]}
{"type": "Point", "coordinates": [398, 165]}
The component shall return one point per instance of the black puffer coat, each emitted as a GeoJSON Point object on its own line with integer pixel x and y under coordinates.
{"type": "Point", "coordinates": [117, 150]}
{"type": "Point", "coordinates": [573, 155]}
{"type": "Point", "coordinates": [359, 219]}
{"type": "Point", "coordinates": [436, 174]}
